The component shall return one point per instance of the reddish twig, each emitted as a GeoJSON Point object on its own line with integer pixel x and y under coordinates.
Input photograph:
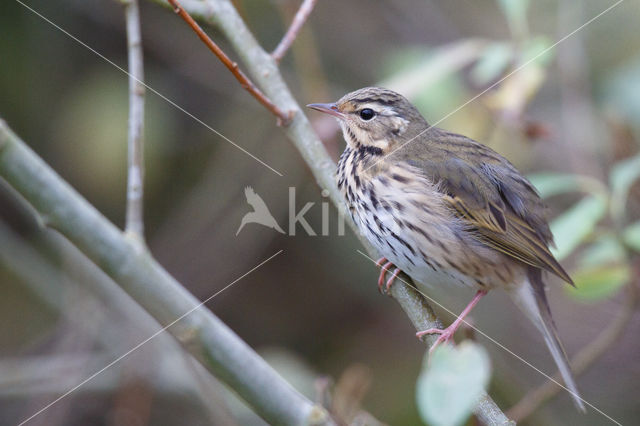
{"type": "Point", "coordinates": [298, 21]}
{"type": "Point", "coordinates": [284, 118]}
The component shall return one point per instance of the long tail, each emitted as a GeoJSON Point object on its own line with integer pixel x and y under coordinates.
{"type": "Point", "coordinates": [532, 300]}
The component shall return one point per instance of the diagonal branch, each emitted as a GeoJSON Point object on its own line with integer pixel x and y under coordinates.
{"type": "Point", "coordinates": [135, 179]}
{"type": "Point", "coordinates": [296, 25]}
{"type": "Point", "coordinates": [284, 118]}
{"type": "Point", "coordinates": [130, 265]}
{"type": "Point", "coordinates": [264, 70]}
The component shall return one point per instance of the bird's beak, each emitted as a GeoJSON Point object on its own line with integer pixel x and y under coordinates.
{"type": "Point", "coordinates": [331, 109]}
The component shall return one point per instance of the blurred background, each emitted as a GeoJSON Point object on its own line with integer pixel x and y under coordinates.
{"type": "Point", "coordinates": [570, 119]}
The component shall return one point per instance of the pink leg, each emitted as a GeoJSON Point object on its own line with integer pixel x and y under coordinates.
{"type": "Point", "coordinates": [447, 334]}
{"type": "Point", "coordinates": [381, 261]}
{"type": "Point", "coordinates": [393, 277]}
{"type": "Point", "coordinates": [383, 274]}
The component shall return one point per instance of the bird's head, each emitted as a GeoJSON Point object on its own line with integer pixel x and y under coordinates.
{"type": "Point", "coordinates": [376, 118]}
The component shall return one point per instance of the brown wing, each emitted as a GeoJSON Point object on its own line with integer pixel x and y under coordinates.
{"type": "Point", "coordinates": [487, 192]}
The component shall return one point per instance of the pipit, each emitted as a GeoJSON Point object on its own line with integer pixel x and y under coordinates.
{"type": "Point", "coordinates": [445, 209]}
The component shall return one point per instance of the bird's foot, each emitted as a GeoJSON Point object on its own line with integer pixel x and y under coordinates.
{"type": "Point", "coordinates": [446, 335]}
{"type": "Point", "coordinates": [390, 281]}
{"type": "Point", "coordinates": [381, 261]}
{"type": "Point", "coordinates": [386, 267]}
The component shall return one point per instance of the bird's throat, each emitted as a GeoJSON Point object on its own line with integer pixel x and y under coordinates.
{"type": "Point", "coordinates": [362, 143]}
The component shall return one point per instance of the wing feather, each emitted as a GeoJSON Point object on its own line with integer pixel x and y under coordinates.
{"type": "Point", "coordinates": [503, 210]}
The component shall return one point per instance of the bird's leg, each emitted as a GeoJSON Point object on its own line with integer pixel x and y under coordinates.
{"type": "Point", "coordinates": [447, 334]}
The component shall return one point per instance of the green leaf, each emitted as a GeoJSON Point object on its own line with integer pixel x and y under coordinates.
{"type": "Point", "coordinates": [516, 14]}
{"type": "Point", "coordinates": [550, 184]}
{"type": "Point", "coordinates": [574, 225]}
{"type": "Point", "coordinates": [605, 250]}
{"type": "Point", "coordinates": [625, 173]}
{"type": "Point", "coordinates": [537, 50]}
{"type": "Point", "coordinates": [631, 236]}
{"type": "Point", "coordinates": [411, 71]}
{"type": "Point", "coordinates": [603, 270]}
{"type": "Point", "coordinates": [622, 177]}
{"type": "Point", "coordinates": [577, 223]}
{"type": "Point", "coordinates": [450, 383]}
{"type": "Point", "coordinates": [621, 91]}
{"type": "Point", "coordinates": [599, 282]}
{"type": "Point", "coordinates": [494, 61]}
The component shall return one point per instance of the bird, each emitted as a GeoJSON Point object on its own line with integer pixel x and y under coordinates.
{"type": "Point", "coordinates": [260, 213]}
{"type": "Point", "coordinates": [446, 210]}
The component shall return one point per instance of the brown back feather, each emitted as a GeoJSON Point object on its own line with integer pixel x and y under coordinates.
{"type": "Point", "coordinates": [502, 209]}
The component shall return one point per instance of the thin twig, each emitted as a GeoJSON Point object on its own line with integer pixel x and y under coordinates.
{"type": "Point", "coordinates": [581, 361]}
{"type": "Point", "coordinates": [296, 25]}
{"type": "Point", "coordinates": [135, 181]}
{"type": "Point", "coordinates": [284, 118]}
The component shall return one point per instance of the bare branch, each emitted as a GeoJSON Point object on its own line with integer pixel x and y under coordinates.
{"type": "Point", "coordinates": [582, 360]}
{"type": "Point", "coordinates": [130, 265]}
{"type": "Point", "coordinates": [284, 118]}
{"type": "Point", "coordinates": [296, 25]}
{"type": "Point", "coordinates": [135, 180]}
{"type": "Point", "coordinates": [41, 273]}
{"type": "Point", "coordinates": [423, 317]}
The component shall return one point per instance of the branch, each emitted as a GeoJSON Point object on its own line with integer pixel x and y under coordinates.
{"type": "Point", "coordinates": [128, 263]}
{"type": "Point", "coordinates": [38, 269]}
{"type": "Point", "coordinates": [264, 70]}
{"type": "Point", "coordinates": [284, 118]}
{"type": "Point", "coordinates": [135, 179]}
{"type": "Point", "coordinates": [581, 361]}
{"type": "Point", "coordinates": [423, 317]}
{"type": "Point", "coordinates": [296, 25]}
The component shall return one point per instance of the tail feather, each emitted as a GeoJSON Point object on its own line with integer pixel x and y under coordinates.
{"type": "Point", "coordinates": [532, 300]}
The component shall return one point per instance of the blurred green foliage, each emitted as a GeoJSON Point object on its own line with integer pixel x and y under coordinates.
{"type": "Point", "coordinates": [516, 13]}
{"type": "Point", "coordinates": [594, 229]}
{"type": "Point", "coordinates": [451, 381]}
{"type": "Point", "coordinates": [605, 252]}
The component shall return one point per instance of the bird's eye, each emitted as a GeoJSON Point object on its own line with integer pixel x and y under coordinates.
{"type": "Point", "coordinates": [367, 114]}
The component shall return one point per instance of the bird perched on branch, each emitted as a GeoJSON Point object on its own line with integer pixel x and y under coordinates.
{"type": "Point", "coordinates": [445, 209]}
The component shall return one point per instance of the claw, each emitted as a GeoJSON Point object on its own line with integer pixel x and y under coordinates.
{"type": "Point", "coordinates": [393, 277]}
{"type": "Point", "coordinates": [383, 274]}
{"type": "Point", "coordinates": [446, 335]}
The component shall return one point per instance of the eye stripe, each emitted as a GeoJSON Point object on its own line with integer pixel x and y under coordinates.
{"type": "Point", "coordinates": [375, 100]}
